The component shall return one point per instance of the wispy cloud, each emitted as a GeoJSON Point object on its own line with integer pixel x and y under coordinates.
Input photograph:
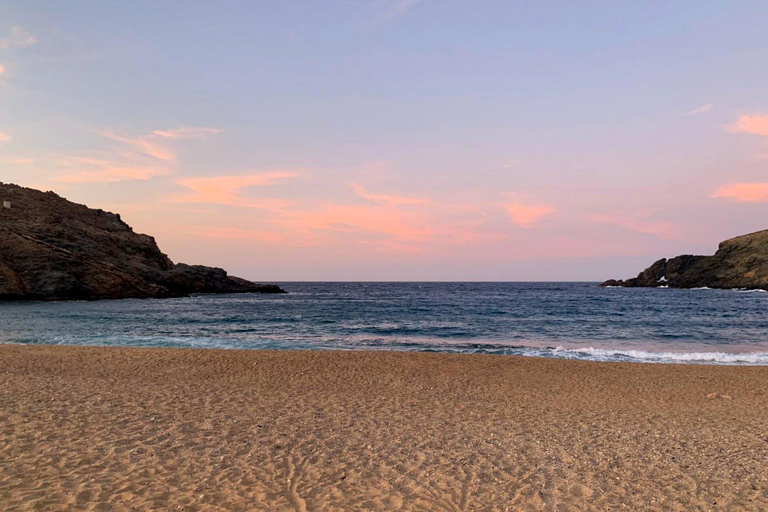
{"type": "Point", "coordinates": [18, 160]}
{"type": "Point", "coordinates": [641, 223]}
{"type": "Point", "coordinates": [526, 216]}
{"type": "Point", "coordinates": [387, 199]}
{"type": "Point", "coordinates": [134, 157]}
{"type": "Point", "coordinates": [186, 132]}
{"type": "Point", "coordinates": [111, 175]}
{"type": "Point", "coordinates": [524, 213]}
{"type": "Point", "coordinates": [138, 158]}
{"type": "Point", "coordinates": [17, 38]}
{"type": "Point", "coordinates": [743, 192]}
{"type": "Point", "coordinates": [367, 222]}
{"type": "Point", "coordinates": [155, 144]}
{"type": "Point", "coordinates": [756, 124]}
{"type": "Point", "coordinates": [228, 189]}
{"type": "Point", "coordinates": [98, 170]}
{"type": "Point", "coordinates": [251, 235]}
{"type": "Point", "coordinates": [145, 146]}
{"type": "Point", "coordinates": [4, 137]}
{"type": "Point", "coordinates": [704, 108]}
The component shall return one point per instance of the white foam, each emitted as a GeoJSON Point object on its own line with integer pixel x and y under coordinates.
{"type": "Point", "coordinates": [600, 354]}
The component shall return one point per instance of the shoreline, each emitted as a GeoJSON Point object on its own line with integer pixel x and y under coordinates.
{"type": "Point", "coordinates": [589, 354]}
{"type": "Point", "coordinates": [287, 430]}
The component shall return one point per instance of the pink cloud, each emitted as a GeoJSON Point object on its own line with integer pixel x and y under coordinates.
{"type": "Point", "coordinates": [384, 224]}
{"type": "Point", "coordinates": [18, 160]}
{"type": "Point", "coordinates": [388, 227]}
{"type": "Point", "coordinates": [368, 223]}
{"type": "Point", "coordinates": [387, 199]}
{"type": "Point", "coordinates": [525, 215]}
{"type": "Point", "coordinates": [640, 224]}
{"type": "Point", "coordinates": [145, 146]}
{"type": "Point", "coordinates": [377, 228]}
{"type": "Point", "coordinates": [105, 170]}
{"type": "Point", "coordinates": [743, 192]}
{"type": "Point", "coordinates": [227, 189]}
{"type": "Point", "coordinates": [701, 109]}
{"type": "Point", "coordinates": [2, 69]}
{"type": "Point", "coordinates": [252, 235]}
{"type": "Point", "coordinates": [80, 161]}
{"type": "Point", "coordinates": [4, 137]}
{"type": "Point", "coordinates": [753, 124]}
{"type": "Point", "coordinates": [186, 132]}
{"type": "Point", "coordinates": [154, 144]}
{"type": "Point", "coordinates": [111, 175]}
{"type": "Point", "coordinates": [17, 38]}
{"type": "Point", "coordinates": [141, 158]}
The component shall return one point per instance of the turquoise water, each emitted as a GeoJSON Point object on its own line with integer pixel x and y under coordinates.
{"type": "Point", "coordinates": [568, 320]}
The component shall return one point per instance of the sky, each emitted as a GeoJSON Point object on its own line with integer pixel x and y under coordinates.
{"type": "Point", "coordinates": [397, 139]}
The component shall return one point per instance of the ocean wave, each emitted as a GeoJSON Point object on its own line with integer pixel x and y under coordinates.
{"type": "Point", "coordinates": [601, 354]}
{"type": "Point", "coordinates": [582, 353]}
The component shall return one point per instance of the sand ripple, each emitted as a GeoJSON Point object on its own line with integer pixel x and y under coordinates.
{"type": "Point", "coordinates": [155, 429]}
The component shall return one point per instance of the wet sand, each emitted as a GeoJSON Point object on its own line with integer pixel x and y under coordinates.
{"type": "Point", "coordinates": [164, 429]}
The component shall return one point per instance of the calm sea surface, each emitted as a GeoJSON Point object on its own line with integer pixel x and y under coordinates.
{"type": "Point", "coordinates": [568, 320]}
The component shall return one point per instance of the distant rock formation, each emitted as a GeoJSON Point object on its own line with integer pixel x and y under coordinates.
{"type": "Point", "coordinates": [740, 262]}
{"type": "Point", "coordinates": [53, 249]}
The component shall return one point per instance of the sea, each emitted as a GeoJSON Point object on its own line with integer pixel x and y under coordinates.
{"type": "Point", "coordinates": [560, 320]}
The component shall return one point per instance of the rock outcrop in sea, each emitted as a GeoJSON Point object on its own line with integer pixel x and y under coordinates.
{"type": "Point", "coordinates": [53, 249]}
{"type": "Point", "coordinates": [740, 262]}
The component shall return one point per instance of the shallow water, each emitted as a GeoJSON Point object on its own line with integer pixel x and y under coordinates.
{"type": "Point", "coordinates": [567, 320]}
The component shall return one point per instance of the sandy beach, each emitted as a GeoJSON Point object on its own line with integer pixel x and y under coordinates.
{"type": "Point", "coordinates": [179, 429]}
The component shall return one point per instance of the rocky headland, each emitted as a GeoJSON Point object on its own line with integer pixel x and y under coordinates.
{"type": "Point", "coordinates": [53, 249]}
{"type": "Point", "coordinates": [740, 262]}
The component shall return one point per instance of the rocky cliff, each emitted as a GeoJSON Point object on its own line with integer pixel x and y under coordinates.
{"type": "Point", "coordinates": [53, 249]}
{"type": "Point", "coordinates": [740, 262]}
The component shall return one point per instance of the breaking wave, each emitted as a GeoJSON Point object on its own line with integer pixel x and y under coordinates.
{"type": "Point", "coordinates": [643, 356]}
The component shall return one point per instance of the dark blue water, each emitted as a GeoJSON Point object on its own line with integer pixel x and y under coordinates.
{"type": "Point", "coordinates": [571, 320]}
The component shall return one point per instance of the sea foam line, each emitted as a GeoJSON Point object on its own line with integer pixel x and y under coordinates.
{"type": "Point", "coordinates": [600, 354]}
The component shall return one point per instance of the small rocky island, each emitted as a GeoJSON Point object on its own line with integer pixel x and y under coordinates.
{"type": "Point", "coordinates": [53, 249]}
{"type": "Point", "coordinates": [740, 262]}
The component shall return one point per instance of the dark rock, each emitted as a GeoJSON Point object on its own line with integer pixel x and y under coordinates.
{"type": "Point", "coordinates": [740, 262]}
{"type": "Point", "coordinates": [186, 279]}
{"type": "Point", "coordinates": [53, 249]}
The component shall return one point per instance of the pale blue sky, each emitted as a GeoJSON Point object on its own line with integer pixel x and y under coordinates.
{"type": "Point", "coordinates": [397, 139]}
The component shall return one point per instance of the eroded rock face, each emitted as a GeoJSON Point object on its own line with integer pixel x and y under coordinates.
{"type": "Point", "coordinates": [53, 249]}
{"type": "Point", "coordinates": [740, 262]}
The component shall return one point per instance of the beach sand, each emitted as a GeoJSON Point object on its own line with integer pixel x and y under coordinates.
{"type": "Point", "coordinates": [118, 429]}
